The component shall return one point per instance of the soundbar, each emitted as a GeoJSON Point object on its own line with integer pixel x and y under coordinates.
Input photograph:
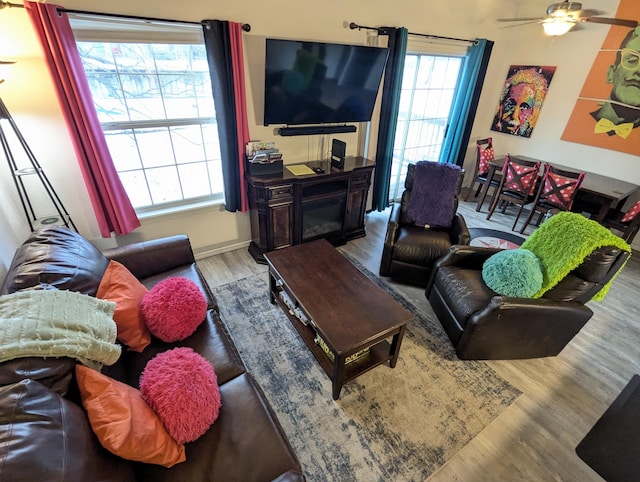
{"type": "Point", "coordinates": [313, 130]}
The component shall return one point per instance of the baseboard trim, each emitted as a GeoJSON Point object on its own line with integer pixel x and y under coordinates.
{"type": "Point", "coordinates": [207, 251]}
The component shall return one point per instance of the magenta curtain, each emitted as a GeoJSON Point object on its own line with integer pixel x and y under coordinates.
{"type": "Point", "coordinates": [111, 205]}
{"type": "Point", "coordinates": [242, 124]}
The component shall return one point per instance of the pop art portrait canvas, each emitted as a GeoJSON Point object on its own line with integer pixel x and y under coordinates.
{"type": "Point", "coordinates": [521, 99]}
{"type": "Point", "coordinates": [607, 111]}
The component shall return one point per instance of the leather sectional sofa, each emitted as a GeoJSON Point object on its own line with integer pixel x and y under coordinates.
{"type": "Point", "coordinates": [44, 431]}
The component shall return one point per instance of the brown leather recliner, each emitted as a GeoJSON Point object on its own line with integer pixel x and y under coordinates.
{"type": "Point", "coordinates": [410, 251]}
{"type": "Point", "coordinates": [484, 325]}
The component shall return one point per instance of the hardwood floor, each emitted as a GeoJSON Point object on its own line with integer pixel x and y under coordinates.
{"type": "Point", "coordinates": [563, 396]}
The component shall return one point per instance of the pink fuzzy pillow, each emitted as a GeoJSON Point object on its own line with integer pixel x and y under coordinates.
{"type": "Point", "coordinates": [182, 388]}
{"type": "Point", "coordinates": [173, 308]}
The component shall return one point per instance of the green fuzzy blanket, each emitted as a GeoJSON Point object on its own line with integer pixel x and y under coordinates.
{"type": "Point", "coordinates": [563, 242]}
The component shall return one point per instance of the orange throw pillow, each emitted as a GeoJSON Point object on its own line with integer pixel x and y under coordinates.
{"type": "Point", "coordinates": [123, 422]}
{"type": "Point", "coordinates": [120, 286]}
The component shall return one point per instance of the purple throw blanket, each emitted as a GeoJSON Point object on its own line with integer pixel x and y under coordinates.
{"type": "Point", "coordinates": [433, 194]}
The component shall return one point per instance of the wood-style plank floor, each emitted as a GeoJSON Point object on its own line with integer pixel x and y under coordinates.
{"type": "Point", "coordinates": [535, 438]}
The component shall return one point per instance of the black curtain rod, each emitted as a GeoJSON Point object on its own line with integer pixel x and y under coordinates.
{"type": "Point", "coordinates": [245, 26]}
{"type": "Point", "coordinates": [10, 5]}
{"type": "Point", "coordinates": [384, 31]}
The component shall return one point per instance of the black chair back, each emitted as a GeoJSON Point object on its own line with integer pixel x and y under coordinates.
{"type": "Point", "coordinates": [586, 280]}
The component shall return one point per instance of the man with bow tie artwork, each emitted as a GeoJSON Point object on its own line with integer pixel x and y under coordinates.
{"type": "Point", "coordinates": [622, 112]}
{"type": "Point", "coordinates": [612, 122]}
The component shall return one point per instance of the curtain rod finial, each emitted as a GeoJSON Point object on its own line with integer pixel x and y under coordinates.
{"type": "Point", "coordinates": [353, 26]}
{"type": "Point", "coordinates": [246, 27]}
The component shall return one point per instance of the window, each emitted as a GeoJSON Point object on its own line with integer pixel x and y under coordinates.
{"type": "Point", "coordinates": [428, 86]}
{"type": "Point", "coordinates": [152, 93]}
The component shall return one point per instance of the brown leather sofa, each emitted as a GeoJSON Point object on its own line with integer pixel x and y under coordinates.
{"type": "Point", "coordinates": [484, 325]}
{"type": "Point", "coordinates": [44, 431]}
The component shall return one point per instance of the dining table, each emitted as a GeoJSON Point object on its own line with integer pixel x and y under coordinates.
{"type": "Point", "coordinates": [596, 195]}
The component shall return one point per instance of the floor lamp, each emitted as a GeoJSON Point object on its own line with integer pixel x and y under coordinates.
{"type": "Point", "coordinates": [61, 216]}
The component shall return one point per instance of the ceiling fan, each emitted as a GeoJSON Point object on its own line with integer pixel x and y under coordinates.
{"type": "Point", "coordinates": [562, 17]}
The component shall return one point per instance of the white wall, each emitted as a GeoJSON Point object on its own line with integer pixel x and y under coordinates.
{"type": "Point", "coordinates": [29, 95]}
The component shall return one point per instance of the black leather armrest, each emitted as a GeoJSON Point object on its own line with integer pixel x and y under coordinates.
{"type": "Point", "coordinates": [464, 256]}
{"type": "Point", "coordinates": [148, 258]}
{"type": "Point", "coordinates": [394, 217]}
{"type": "Point", "coordinates": [459, 231]}
{"type": "Point", "coordinates": [512, 328]}
{"type": "Point", "coordinates": [390, 239]}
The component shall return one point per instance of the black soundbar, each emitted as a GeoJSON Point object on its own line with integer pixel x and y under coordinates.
{"type": "Point", "coordinates": [313, 130]}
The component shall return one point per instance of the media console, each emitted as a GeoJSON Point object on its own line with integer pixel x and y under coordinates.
{"type": "Point", "coordinates": [287, 209]}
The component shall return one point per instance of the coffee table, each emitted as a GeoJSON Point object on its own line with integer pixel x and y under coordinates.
{"type": "Point", "coordinates": [348, 322]}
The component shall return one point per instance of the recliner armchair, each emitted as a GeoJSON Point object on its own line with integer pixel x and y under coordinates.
{"type": "Point", "coordinates": [410, 251]}
{"type": "Point", "coordinates": [484, 325]}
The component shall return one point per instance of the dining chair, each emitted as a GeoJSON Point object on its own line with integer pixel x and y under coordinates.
{"type": "Point", "coordinates": [484, 155]}
{"type": "Point", "coordinates": [628, 223]}
{"type": "Point", "coordinates": [556, 192]}
{"type": "Point", "coordinates": [519, 178]}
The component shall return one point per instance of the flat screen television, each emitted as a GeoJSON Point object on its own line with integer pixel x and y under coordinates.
{"type": "Point", "coordinates": [317, 83]}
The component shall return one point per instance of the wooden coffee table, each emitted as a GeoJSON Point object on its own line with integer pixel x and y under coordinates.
{"type": "Point", "coordinates": [348, 322]}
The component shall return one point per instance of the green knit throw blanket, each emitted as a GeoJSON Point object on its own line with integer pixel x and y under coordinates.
{"type": "Point", "coordinates": [58, 323]}
{"type": "Point", "coordinates": [563, 242]}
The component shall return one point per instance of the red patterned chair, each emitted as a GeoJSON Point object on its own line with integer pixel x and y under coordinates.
{"type": "Point", "coordinates": [519, 178]}
{"type": "Point", "coordinates": [556, 192]}
{"type": "Point", "coordinates": [484, 155]}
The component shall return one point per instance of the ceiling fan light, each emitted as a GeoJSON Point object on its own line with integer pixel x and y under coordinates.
{"type": "Point", "coordinates": [556, 27]}
{"type": "Point", "coordinates": [559, 9]}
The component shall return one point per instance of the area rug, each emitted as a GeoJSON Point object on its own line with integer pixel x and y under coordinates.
{"type": "Point", "coordinates": [493, 238]}
{"type": "Point", "coordinates": [398, 424]}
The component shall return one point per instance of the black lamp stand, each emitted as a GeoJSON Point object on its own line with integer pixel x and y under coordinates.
{"type": "Point", "coordinates": [61, 216]}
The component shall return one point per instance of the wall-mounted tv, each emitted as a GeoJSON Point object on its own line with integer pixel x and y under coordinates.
{"type": "Point", "coordinates": [317, 83]}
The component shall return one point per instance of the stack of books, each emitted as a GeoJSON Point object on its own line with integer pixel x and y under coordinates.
{"type": "Point", "coordinates": [263, 158]}
{"type": "Point", "coordinates": [293, 309]}
{"type": "Point", "coordinates": [253, 146]}
{"type": "Point", "coordinates": [263, 152]}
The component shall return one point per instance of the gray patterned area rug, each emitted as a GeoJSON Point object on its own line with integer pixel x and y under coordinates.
{"type": "Point", "coordinates": [398, 424]}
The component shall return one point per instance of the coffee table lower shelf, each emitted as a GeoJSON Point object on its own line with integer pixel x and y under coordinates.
{"type": "Point", "coordinates": [339, 372]}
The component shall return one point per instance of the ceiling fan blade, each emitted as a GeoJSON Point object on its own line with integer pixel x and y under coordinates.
{"type": "Point", "coordinates": [611, 21]}
{"type": "Point", "coordinates": [591, 12]}
{"type": "Point", "coordinates": [512, 25]}
{"type": "Point", "coordinates": [523, 19]}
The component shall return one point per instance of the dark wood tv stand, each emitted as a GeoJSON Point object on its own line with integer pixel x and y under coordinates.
{"type": "Point", "coordinates": [286, 209]}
